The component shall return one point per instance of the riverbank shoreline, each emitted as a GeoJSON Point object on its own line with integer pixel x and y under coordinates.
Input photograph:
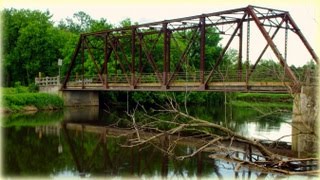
{"type": "Point", "coordinates": [14, 101]}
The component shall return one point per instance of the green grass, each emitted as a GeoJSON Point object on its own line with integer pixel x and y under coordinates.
{"type": "Point", "coordinates": [20, 89]}
{"type": "Point", "coordinates": [264, 97]}
{"type": "Point", "coordinates": [42, 101]}
{"type": "Point", "coordinates": [15, 99]}
{"type": "Point", "coordinates": [262, 100]}
{"type": "Point", "coordinates": [262, 104]}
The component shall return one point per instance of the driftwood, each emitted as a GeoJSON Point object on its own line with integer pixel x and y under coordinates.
{"type": "Point", "coordinates": [256, 154]}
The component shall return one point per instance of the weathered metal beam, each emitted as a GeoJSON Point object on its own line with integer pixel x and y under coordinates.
{"type": "Point", "coordinates": [145, 33]}
{"type": "Point", "coordinates": [112, 40]}
{"type": "Point", "coordinates": [302, 38]}
{"type": "Point", "coordinates": [123, 53]}
{"type": "Point", "coordinates": [273, 46]}
{"type": "Point", "coordinates": [202, 47]}
{"type": "Point", "coordinates": [158, 23]}
{"type": "Point", "coordinates": [183, 56]}
{"type": "Point", "coordinates": [73, 60]}
{"type": "Point", "coordinates": [133, 55]}
{"type": "Point", "coordinates": [150, 59]}
{"type": "Point", "coordinates": [232, 11]}
{"type": "Point", "coordinates": [107, 55]}
{"type": "Point", "coordinates": [82, 60]}
{"type": "Point", "coordinates": [240, 52]}
{"type": "Point", "coordinates": [271, 87]}
{"type": "Point", "coordinates": [166, 50]}
{"type": "Point", "coordinates": [224, 51]}
{"type": "Point", "coordinates": [94, 61]}
{"type": "Point", "coordinates": [264, 50]}
{"type": "Point", "coordinates": [119, 60]}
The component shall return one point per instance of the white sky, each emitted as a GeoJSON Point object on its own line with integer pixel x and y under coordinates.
{"type": "Point", "coordinates": [304, 12]}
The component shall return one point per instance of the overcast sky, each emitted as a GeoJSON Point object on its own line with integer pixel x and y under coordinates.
{"type": "Point", "coordinates": [304, 12]}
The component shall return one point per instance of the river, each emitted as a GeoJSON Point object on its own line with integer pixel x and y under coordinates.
{"type": "Point", "coordinates": [40, 145]}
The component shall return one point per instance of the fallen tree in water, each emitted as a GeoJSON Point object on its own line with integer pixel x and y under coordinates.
{"type": "Point", "coordinates": [219, 141]}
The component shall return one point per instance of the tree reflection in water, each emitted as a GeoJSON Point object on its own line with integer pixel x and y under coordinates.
{"type": "Point", "coordinates": [99, 153]}
{"type": "Point", "coordinates": [90, 152]}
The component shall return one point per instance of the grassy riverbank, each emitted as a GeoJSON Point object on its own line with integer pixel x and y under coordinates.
{"type": "Point", "coordinates": [262, 100]}
{"type": "Point", "coordinates": [21, 99]}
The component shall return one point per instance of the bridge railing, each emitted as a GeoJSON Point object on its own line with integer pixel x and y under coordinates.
{"type": "Point", "coordinates": [218, 76]}
{"type": "Point", "coordinates": [47, 81]}
{"type": "Point", "coordinates": [192, 77]}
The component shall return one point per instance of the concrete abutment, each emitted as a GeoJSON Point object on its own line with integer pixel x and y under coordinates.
{"type": "Point", "coordinates": [305, 120]}
{"type": "Point", "coordinates": [80, 98]}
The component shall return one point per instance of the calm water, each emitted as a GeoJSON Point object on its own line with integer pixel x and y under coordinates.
{"type": "Point", "coordinates": [39, 145]}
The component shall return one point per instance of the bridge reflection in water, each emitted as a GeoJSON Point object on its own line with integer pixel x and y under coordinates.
{"type": "Point", "coordinates": [106, 155]}
{"type": "Point", "coordinates": [96, 150]}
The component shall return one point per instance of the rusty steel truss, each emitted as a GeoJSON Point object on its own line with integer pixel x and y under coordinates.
{"type": "Point", "coordinates": [130, 52]}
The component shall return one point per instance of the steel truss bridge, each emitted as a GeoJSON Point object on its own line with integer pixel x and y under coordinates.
{"type": "Point", "coordinates": [157, 56]}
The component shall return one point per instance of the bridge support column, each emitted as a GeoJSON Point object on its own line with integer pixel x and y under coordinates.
{"type": "Point", "coordinates": [80, 98]}
{"type": "Point", "coordinates": [305, 121]}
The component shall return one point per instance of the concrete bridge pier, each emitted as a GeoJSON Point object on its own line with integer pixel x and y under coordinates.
{"type": "Point", "coordinates": [80, 98]}
{"type": "Point", "coordinates": [305, 121]}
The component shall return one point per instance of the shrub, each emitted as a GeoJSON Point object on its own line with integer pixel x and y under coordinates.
{"type": "Point", "coordinates": [16, 102]}
{"type": "Point", "coordinates": [33, 88]}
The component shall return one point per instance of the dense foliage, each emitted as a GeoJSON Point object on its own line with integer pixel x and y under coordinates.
{"type": "Point", "coordinates": [39, 100]}
{"type": "Point", "coordinates": [19, 97]}
{"type": "Point", "coordinates": [33, 43]}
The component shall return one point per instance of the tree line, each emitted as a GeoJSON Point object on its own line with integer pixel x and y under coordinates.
{"type": "Point", "coordinates": [33, 43]}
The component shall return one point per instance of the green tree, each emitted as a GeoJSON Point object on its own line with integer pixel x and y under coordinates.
{"type": "Point", "coordinates": [31, 44]}
{"type": "Point", "coordinates": [80, 22]}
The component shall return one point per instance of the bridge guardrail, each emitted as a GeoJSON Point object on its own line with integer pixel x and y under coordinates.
{"type": "Point", "coordinates": [47, 81]}
{"type": "Point", "coordinates": [217, 76]}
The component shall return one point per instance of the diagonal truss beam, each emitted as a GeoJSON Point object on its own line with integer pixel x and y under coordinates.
{"type": "Point", "coordinates": [272, 45]}
{"type": "Point", "coordinates": [265, 48]}
{"type": "Point", "coordinates": [73, 60]}
{"type": "Point", "coordinates": [224, 51]}
{"type": "Point", "coordinates": [150, 59]}
{"type": "Point", "coordinates": [119, 60]}
{"type": "Point", "coordinates": [93, 59]}
{"type": "Point", "coordinates": [229, 22]}
{"type": "Point", "coordinates": [302, 38]}
{"type": "Point", "coordinates": [183, 56]}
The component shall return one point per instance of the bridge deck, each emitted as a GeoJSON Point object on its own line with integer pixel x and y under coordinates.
{"type": "Point", "coordinates": [187, 86]}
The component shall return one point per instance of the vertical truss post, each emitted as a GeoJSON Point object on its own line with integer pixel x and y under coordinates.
{"type": "Point", "coordinates": [285, 48]}
{"type": "Point", "coordinates": [264, 49]}
{"type": "Point", "coordinates": [106, 58]}
{"type": "Point", "coordinates": [202, 48]}
{"type": "Point", "coordinates": [150, 59]}
{"type": "Point", "coordinates": [273, 47]}
{"type": "Point", "coordinates": [94, 61]}
{"type": "Point", "coordinates": [240, 51]}
{"type": "Point", "coordinates": [286, 42]}
{"type": "Point", "coordinates": [82, 60]}
{"type": "Point", "coordinates": [140, 56]}
{"type": "Point", "coordinates": [166, 55]}
{"type": "Point", "coordinates": [133, 55]}
{"type": "Point", "coordinates": [248, 52]}
{"type": "Point", "coordinates": [224, 50]}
